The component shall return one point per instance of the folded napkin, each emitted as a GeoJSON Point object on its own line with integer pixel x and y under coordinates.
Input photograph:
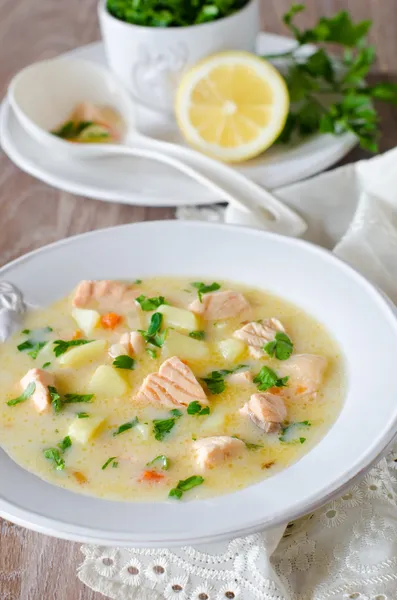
{"type": "Point", "coordinates": [346, 550]}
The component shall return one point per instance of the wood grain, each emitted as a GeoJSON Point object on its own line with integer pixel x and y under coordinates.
{"type": "Point", "coordinates": [33, 566]}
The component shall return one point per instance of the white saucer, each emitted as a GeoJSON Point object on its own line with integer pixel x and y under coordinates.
{"type": "Point", "coordinates": [135, 181]}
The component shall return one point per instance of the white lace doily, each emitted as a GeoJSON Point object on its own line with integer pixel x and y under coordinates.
{"type": "Point", "coordinates": [348, 549]}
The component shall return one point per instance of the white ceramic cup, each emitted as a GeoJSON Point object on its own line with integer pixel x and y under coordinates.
{"type": "Point", "coordinates": [150, 60]}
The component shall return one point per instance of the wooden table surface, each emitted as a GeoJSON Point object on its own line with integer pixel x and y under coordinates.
{"type": "Point", "coordinates": [33, 566]}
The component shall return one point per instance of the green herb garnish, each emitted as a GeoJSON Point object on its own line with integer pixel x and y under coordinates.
{"type": "Point", "coordinates": [126, 426]}
{"type": "Point", "coordinates": [202, 288]}
{"type": "Point", "coordinates": [149, 304]}
{"type": "Point", "coordinates": [184, 485]}
{"type": "Point", "coordinates": [54, 455]}
{"type": "Point", "coordinates": [25, 331]}
{"type": "Point", "coordinates": [153, 335]}
{"type": "Point", "coordinates": [197, 335]}
{"type": "Point", "coordinates": [281, 347]}
{"type": "Point", "coordinates": [176, 412]}
{"type": "Point", "coordinates": [124, 362]}
{"type": "Point", "coordinates": [46, 364]}
{"type": "Point", "coordinates": [152, 353]}
{"type": "Point", "coordinates": [82, 415]}
{"type": "Point", "coordinates": [215, 381]}
{"type": "Point", "coordinates": [70, 398]}
{"type": "Point", "coordinates": [56, 399]}
{"type": "Point", "coordinates": [138, 281]}
{"type": "Point", "coordinates": [161, 427]}
{"type": "Point", "coordinates": [61, 346]}
{"type": "Point", "coordinates": [249, 445]}
{"type": "Point", "coordinates": [115, 465]}
{"type": "Point", "coordinates": [28, 391]}
{"type": "Point", "coordinates": [33, 347]}
{"type": "Point", "coordinates": [267, 378]}
{"type": "Point", "coordinates": [107, 463]}
{"type": "Point", "coordinates": [195, 408]}
{"type": "Point", "coordinates": [71, 129]}
{"type": "Point", "coordinates": [66, 443]}
{"type": "Point", "coordinates": [330, 95]}
{"type": "Point", "coordinates": [163, 461]}
{"type": "Point", "coordinates": [287, 432]}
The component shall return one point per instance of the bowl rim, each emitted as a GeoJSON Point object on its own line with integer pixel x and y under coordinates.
{"type": "Point", "coordinates": [103, 13]}
{"type": "Point", "coordinates": [59, 528]}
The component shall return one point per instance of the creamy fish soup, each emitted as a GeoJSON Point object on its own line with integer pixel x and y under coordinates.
{"type": "Point", "coordinates": [166, 388]}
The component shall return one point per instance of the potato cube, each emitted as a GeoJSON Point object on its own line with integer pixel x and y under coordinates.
{"type": "Point", "coordinates": [179, 317]}
{"type": "Point", "coordinates": [231, 349]}
{"type": "Point", "coordinates": [108, 382]}
{"type": "Point", "coordinates": [78, 355]}
{"type": "Point", "coordinates": [83, 430]}
{"type": "Point", "coordinates": [86, 319]}
{"type": "Point", "coordinates": [184, 347]}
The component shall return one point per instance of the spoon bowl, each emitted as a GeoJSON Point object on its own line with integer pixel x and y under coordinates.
{"type": "Point", "coordinates": [43, 96]}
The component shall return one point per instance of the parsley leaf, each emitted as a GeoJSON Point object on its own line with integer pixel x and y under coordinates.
{"type": "Point", "coordinates": [197, 335]}
{"type": "Point", "coordinates": [56, 399]}
{"type": "Point", "coordinates": [28, 391]}
{"type": "Point", "coordinates": [45, 365]}
{"type": "Point", "coordinates": [107, 463]}
{"type": "Point", "coordinates": [162, 460]}
{"type": "Point", "coordinates": [65, 443]}
{"type": "Point", "coordinates": [195, 408]}
{"type": "Point", "coordinates": [267, 378]}
{"type": "Point", "coordinates": [69, 398]}
{"type": "Point", "coordinates": [152, 353]}
{"type": "Point", "coordinates": [176, 412]}
{"type": "Point", "coordinates": [162, 427]}
{"type": "Point", "coordinates": [289, 433]}
{"type": "Point", "coordinates": [61, 346]}
{"type": "Point", "coordinates": [184, 485]}
{"type": "Point", "coordinates": [138, 281]}
{"type": "Point", "coordinates": [281, 347]}
{"type": "Point", "coordinates": [82, 415]}
{"type": "Point", "coordinates": [54, 455]}
{"type": "Point", "coordinates": [124, 362]}
{"type": "Point", "coordinates": [202, 288]}
{"type": "Point", "coordinates": [126, 426]}
{"type": "Point", "coordinates": [215, 381]}
{"type": "Point", "coordinates": [153, 335]}
{"type": "Point", "coordinates": [149, 304]}
{"type": "Point", "coordinates": [33, 346]}
{"type": "Point", "coordinates": [249, 445]}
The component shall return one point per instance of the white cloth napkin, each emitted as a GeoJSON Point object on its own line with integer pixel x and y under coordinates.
{"type": "Point", "coordinates": [347, 550]}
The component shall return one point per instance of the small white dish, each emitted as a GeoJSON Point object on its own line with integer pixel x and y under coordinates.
{"type": "Point", "coordinates": [360, 318]}
{"type": "Point", "coordinates": [143, 182]}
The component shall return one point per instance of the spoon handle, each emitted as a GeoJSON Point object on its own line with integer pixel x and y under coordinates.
{"type": "Point", "coordinates": [230, 185]}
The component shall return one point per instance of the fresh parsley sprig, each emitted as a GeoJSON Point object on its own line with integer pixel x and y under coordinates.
{"type": "Point", "coordinates": [185, 485]}
{"type": "Point", "coordinates": [330, 95]}
{"type": "Point", "coordinates": [202, 288]}
{"type": "Point", "coordinates": [267, 378]}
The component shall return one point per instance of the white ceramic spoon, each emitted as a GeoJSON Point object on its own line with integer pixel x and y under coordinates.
{"type": "Point", "coordinates": [44, 94]}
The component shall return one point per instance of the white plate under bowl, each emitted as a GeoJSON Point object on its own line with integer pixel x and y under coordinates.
{"type": "Point", "coordinates": [358, 316]}
{"type": "Point", "coordinates": [135, 181]}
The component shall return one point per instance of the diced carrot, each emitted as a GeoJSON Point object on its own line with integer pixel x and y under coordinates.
{"type": "Point", "coordinates": [268, 465]}
{"type": "Point", "coordinates": [275, 390]}
{"type": "Point", "coordinates": [110, 320]}
{"type": "Point", "coordinates": [77, 335]}
{"type": "Point", "coordinates": [80, 478]}
{"type": "Point", "coordinates": [301, 389]}
{"type": "Point", "coordinates": [151, 476]}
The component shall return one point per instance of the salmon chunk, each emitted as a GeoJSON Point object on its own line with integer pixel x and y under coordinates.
{"type": "Point", "coordinates": [174, 385]}
{"type": "Point", "coordinates": [110, 295]}
{"type": "Point", "coordinates": [305, 372]}
{"type": "Point", "coordinates": [131, 343]}
{"type": "Point", "coordinates": [243, 377]}
{"type": "Point", "coordinates": [266, 411]}
{"type": "Point", "coordinates": [256, 335]}
{"type": "Point", "coordinates": [220, 305]}
{"type": "Point", "coordinates": [41, 396]}
{"type": "Point", "coordinates": [211, 451]}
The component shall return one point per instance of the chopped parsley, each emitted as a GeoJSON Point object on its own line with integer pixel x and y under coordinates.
{"type": "Point", "coordinates": [149, 304]}
{"type": "Point", "coordinates": [56, 399]}
{"type": "Point", "coordinates": [162, 427]}
{"type": "Point", "coordinates": [202, 288]}
{"type": "Point", "coordinates": [61, 346]}
{"type": "Point", "coordinates": [66, 443]}
{"type": "Point", "coordinates": [126, 426]}
{"type": "Point", "coordinates": [124, 362]}
{"type": "Point", "coordinates": [184, 485]}
{"type": "Point", "coordinates": [54, 455]}
{"type": "Point", "coordinates": [152, 353]}
{"type": "Point", "coordinates": [195, 408]}
{"type": "Point", "coordinates": [176, 412]}
{"type": "Point", "coordinates": [28, 391]}
{"type": "Point", "coordinates": [267, 378]}
{"type": "Point", "coordinates": [25, 331]}
{"type": "Point", "coordinates": [46, 364]}
{"type": "Point", "coordinates": [197, 335]}
{"type": "Point", "coordinates": [107, 463]}
{"type": "Point", "coordinates": [281, 347]}
{"type": "Point", "coordinates": [33, 347]}
{"type": "Point", "coordinates": [289, 433]}
{"type": "Point", "coordinates": [249, 445]}
{"type": "Point", "coordinates": [69, 398]}
{"type": "Point", "coordinates": [162, 460]}
{"type": "Point", "coordinates": [215, 381]}
{"type": "Point", "coordinates": [82, 415]}
{"type": "Point", "coordinates": [115, 465]}
{"type": "Point", "coordinates": [137, 281]}
{"type": "Point", "coordinates": [153, 335]}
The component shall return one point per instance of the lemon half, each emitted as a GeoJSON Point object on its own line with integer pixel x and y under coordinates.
{"type": "Point", "coordinates": [232, 105]}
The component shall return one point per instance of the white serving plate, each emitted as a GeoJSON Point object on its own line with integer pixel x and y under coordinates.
{"type": "Point", "coordinates": [143, 182]}
{"type": "Point", "coordinates": [359, 317]}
